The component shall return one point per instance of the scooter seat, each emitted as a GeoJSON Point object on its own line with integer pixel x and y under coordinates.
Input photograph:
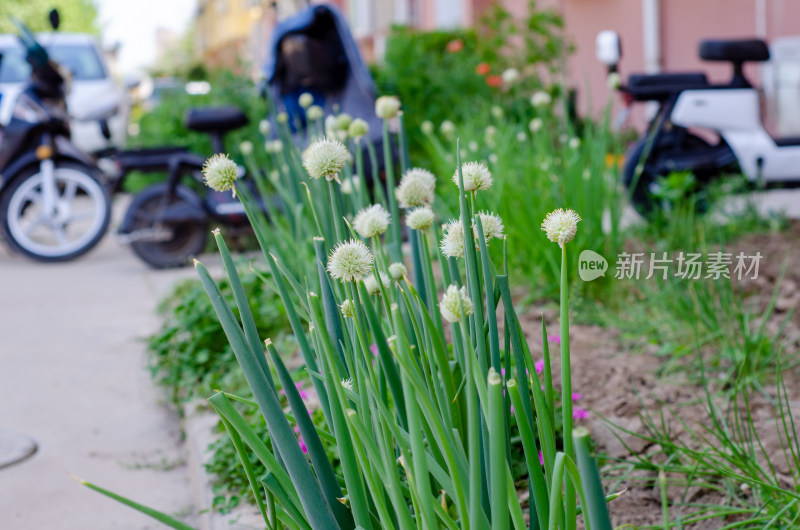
{"type": "Point", "coordinates": [734, 50]}
{"type": "Point", "coordinates": [215, 119]}
{"type": "Point", "coordinates": [659, 87]}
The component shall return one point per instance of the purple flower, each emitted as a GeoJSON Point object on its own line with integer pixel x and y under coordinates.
{"type": "Point", "coordinates": [556, 339]}
{"type": "Point", "coordinates": [300, 439]}
{"type": "Point", "coordinates": [374, 349]}
{"type": "Point", "coordinates": [580, 414]}
{"type": "Point", "coordinates": [541, 458]}
{"type": "Point", "coordinates": [576, 396]}
{"type": "Point", "coordinates": [539, 365]}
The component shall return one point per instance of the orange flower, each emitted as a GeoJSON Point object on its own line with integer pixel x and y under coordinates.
{"type": "Point", "coordinates": [494, 80]}
{"type": "Point", "coordinates": [455, 46]}
{"type": "Point", "coordinates": [483, 69]}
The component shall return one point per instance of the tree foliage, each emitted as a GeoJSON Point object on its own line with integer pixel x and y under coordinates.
{"type": "Point", "coordinates": [79, 16]}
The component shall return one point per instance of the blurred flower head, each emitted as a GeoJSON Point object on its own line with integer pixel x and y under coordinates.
{"type": "Point", "coordinates": [540, 98]}
{"type": "Point", "coordinates": [264, 127]}
{"type": "Point", "coordinates": [372, 221]}
{"type": "Point", "coordinates": [534, 125]}
{"type": "Point", "coordinates": [494, 81]}
{"type": "Point", "coordinates": [455, 45]}
{"type": "Point", "coordinates": [397, 271]}
{"type": "Point", "coordinates": [416, 188]}
{"type": "Point", "coordinates": [314, 113]}
{"type": "Point", "coordinates": [483, 69]}
{"type": "Point", "coordinates": [420, 218]}
{"type": "Point", "coordinates": [246, 148]}
{"type": "Point", "coordinates": [305, 100]}
{"type": "Point", "coordinates": [426, 127]}
{"type": "Point", "coordinates": [456, 305]}
{"type": "Point", "coordinates": [358, 128]}
{"type": "Point", "coordinates": [325, 159]}
{"type": "Point", "coordinates": [447, 129]}
{"type": "Point", "coordinates": [371, 283]}
{"type": "Point", "coordinates": [387, 107]}
{"type": "Point", "coordinates": [510, 76]}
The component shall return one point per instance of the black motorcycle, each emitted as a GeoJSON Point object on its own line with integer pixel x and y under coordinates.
{"type": "Point", "coordinates": [52, 202]}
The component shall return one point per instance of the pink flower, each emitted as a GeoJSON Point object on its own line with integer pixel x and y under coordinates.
{"type": "Point", "coordinates": [580, 414]}
{"type": "Point", "coordinates": [541, 458]}
{"type": "Point", "coordinates": [511, 410]}
{"type": "Point", "coordinates": [300, 439]}
{"type": "Point", "coordinates": [554, 338]}
{"type": "Point", "coordinates": [374, 349]}
{"type": "Point", "coordinates": [494, 80]}
{"type": "Point", "coordinates": [303, 393]}
{"type": "Point", "coordinates": [576, 396]}
{"type": "Point", "coordinates": [539, 365]}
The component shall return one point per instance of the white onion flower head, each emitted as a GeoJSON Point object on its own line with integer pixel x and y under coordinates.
{"type": "Point", "coordinates": [540, 99]}
{"type": "Point", "coordinates": [347, 384]}
{"type": "Point", "coordinates": [282, 117]}
{"type": "Point", "coordinates": [447, 128]}
{"type": "Point", "coordinates": [497, 111]}
{"type": "Point", "coordinates": [331, 125]}
{"type": "Point", "coordinates": [420, 218]}
{"type": "Point", "coordinates": [372, 221]}
{"type": "Point", "coordinates": [534, 125]}
{"type": "Point", "coordinates": [397, 271]}
{"type": "Point", "coordinates": [305, 100]}
{"type": "Point", "coordinates": [561, 225]}
{"type": "Point", "coordinates": [492, 225]}
{"type": "Point", "coordinates": [510, 76]}
{"type": "Point", "coordinates": [371, 283]}
{"type": "Point", "coordinates": [574, 143]}
{"type": "Point", "coordinates": [456, 305]}
{"type": "Point", "coordinates": [246, 148]}
{"type": "Point", "coordinates": [521, 136]}
{"type": "Point", "coordinates": [347, 309]}
{"type": "Point", "coordinates": [417, 188]}
{"type": "Point", "coordinates": [473, 146]}
{"type": "Point", "coordinates": [452, 244]}
{"type": "Point", "coordinates": [358, 128]}
{"type": "Point", "coordinates": [476, 176]}
{"type": "Point", "coordinates": [350, 261]}
{"type": "Point", "coordinates": [426, 127]}
{"type": "Point", "coordinates": [343, 121]}
{"type": "Point", "coordinates": [220, 172]}
{"type": "Point", "coordinates": [493, 158]}
{"type": "Point", "coordinates": [490, 131]}
{"type": "Point", "coordinates": [325, 159]}
{"type": "Point", "coordinates": [264, 127]}
{"type": "Point", "coordinates": [314, 113]}
{"type": "Point", "coordinates": [387, 107]}
{"type": "Point", "coordinates": [273, 146]}
{"type": "Point", "coordinates": [347, 186]}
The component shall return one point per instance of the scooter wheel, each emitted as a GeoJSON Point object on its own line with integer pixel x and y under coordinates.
{"type": "Point", "coordinates": [182, 241]}
{"type": "Point", "coordinates": [77, 222]}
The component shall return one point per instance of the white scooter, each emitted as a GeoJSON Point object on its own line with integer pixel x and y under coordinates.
{"type": "Point", "coordinates": [686, 102]}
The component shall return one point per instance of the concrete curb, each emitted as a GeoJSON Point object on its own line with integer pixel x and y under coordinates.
{"type": "Point", "coordinates": [199, 426]}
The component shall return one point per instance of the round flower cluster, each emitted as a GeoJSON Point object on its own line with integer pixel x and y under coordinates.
{"type": "Point", "coordinates": [306, 100]}
{"type": "Point", "coordinates": [476, 176]}
{"type": "Point", "coordinates": [397, 271]}
{"type": "Point", "coordinates": [314, 113]}
{"type": "Point", "coordinates": [387, 107]}
{"type": "Point", "coordinates": [535, 124]}
{"type": "Point", "coordinates": [540, 99]}
{"type": "Point", "coordinates": [220, 172]}
{"type": "Point", "coordinates": [420, 218]}
{"type": "Point", "coordinates": [347, 308]}
{"type": "Point", "coordinates": [492, 225]}
{"type": "Point", "coordinates": [416, 188]}
{"type": "Point", "coordinates": [561, 225]}
{"type": "Point", "coordinates": [452, 244]}
{"type": "Point", "coordinates": [325, 159]}
{"type": "Point", "coordinates": [372, 221]}
{"type": "Point", "coordinates": [358, 129]}
{"type": "Point", "coordinates": [456, 305]}
{"type": "Point", "coordinates": [372, 286]}
{"type": "Point", "coordinates": [350, 261]}
{"type": "Point", "coordinates": [447, 129]}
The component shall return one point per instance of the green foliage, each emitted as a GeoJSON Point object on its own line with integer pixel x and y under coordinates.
{"type": "Point", "coordinates": [163, 125]}
{"type": "Point", "coordinates": [78, 16]}
{"type": "Point", "coordinates": [190, 355]}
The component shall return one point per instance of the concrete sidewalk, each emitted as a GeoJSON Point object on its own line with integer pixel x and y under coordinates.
{"type": "Point", "coordinates": [74, 378]}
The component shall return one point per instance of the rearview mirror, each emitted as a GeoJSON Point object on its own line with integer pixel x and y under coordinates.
{"type": "Point", "coordinates": [55, 19]}
{"type": "Point", "coordinates": [608, 49]}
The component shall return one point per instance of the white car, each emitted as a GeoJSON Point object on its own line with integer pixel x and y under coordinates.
{"type": "Point", "coordinates": [92, 90]}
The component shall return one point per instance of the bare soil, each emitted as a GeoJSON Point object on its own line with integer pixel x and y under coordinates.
{"type": "Point", "coordinates": [618, 386]}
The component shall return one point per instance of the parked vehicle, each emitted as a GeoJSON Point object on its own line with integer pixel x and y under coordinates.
{"type": "Point", "coordinates": [52, 202]}
{"type": "Point", "coordinates": [689, 104]}
{"type": "Point", "coordinates": [168, 223]}
{"type": "Point", "coordinates": [92, 87]}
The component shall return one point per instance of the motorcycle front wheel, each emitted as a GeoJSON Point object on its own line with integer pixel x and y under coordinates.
{"type": "Point", "coordinates": [76, 222]}
{"type": "Point", "coordinates": [163, 245]}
